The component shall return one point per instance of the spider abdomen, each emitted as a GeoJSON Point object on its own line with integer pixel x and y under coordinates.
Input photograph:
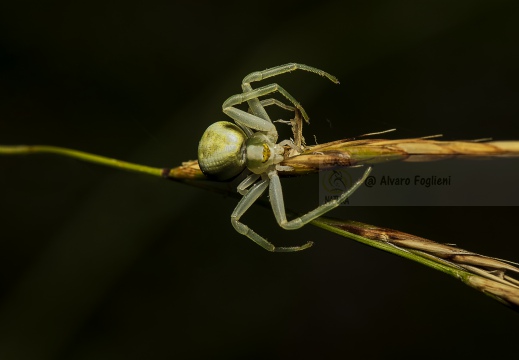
{"type": "Point", "coordinates": [221, 151]}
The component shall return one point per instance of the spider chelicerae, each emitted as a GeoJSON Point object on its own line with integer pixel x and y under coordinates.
{"type": "Point", "coordinates": [227, 149]}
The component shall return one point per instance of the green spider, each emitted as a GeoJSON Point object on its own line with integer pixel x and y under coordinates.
{"type": "Point", "coordinates": [226, 149]}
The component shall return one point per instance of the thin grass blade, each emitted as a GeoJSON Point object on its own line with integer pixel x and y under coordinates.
{"type": "Point", "coordinates": [494, 277]}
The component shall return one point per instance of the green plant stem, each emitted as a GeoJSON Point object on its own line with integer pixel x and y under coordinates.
{"type": "Point", "coordinates": [187, 171]}
{"type": "Point", "coordinates": [502, 289]}
{"type": "Point", "coordinates": [80, 155]}
{"type": "Point", "coordinates": [326, 223]}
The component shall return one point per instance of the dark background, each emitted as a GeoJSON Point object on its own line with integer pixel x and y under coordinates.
{"type": "Point", "coordinates": [96, 263]}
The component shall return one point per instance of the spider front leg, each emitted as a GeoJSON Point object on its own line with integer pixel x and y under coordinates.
{"type": "Point", "coordinates": [248, 181]}
{"type": "Point", "coordinates": [278, 204]}
{"type": "Point", "coordinates": [255, 105]}
{"type": "Point", "coordinates": [245, 203]}
{"type": "Point", "coordinates": [281, 69]}
{"type": "Point", "coordinates": [256, 93]}
{"type": "Point", "coordinates": [272, 101]}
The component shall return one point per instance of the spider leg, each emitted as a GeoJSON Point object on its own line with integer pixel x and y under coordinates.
{"type": "Point", "coordinates": [256, 93]}
{"type": "Point", "coordinates": [289, 143]}
{"type": "Point", "coordinates": [272, 101]}
{"type": "Point", "coordinates": [278, 70]}
{"type": "Point", "coordinates": [245, 119]}
{"type": "Point", "coordinates": [278, 205]}
{"type": "Point", "coordinates": [245, 203]}
{"type": "Point", "coordinates": [248, 181]}
{"type": "Point", "coordinates": [255, 105]}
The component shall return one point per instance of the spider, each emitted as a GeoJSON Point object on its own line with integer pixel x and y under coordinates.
{"type": "Point", "coordinates": [226, 149]}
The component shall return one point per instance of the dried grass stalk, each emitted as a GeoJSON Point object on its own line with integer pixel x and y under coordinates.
{"type": "Point", "coordinates": [494, 277]}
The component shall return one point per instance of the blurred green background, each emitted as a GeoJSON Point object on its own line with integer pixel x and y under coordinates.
{"type": "Point", "coordinates": [101, 264]}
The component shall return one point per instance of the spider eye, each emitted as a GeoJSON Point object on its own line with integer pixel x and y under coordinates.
{"type": "Point", "coordinates": [266, 152]}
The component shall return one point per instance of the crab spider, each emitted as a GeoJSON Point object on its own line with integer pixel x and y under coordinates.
{"type": "Point", "coordinates": [226, 149]}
